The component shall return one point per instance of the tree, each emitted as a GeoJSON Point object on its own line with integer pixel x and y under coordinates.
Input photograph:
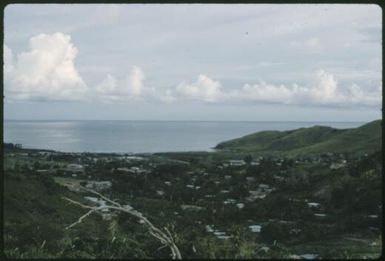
{"type": "Point", "coordinates": [248, 159]}
{"type": "Point", "coordinates": [163, 236]}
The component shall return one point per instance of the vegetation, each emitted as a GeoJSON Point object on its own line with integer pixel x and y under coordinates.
{"type": "Point", "coordinates": [316, 140]}
{"type": "Point", "coordinates": [285, 205]}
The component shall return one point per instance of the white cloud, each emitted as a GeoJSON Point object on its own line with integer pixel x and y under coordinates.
{"type": "Point", "coordinates": [356, 95]}
{"type": "Point", "coordinates": [45, 72]}
{"type": "Point", "coordinates": [204, 89]}
{"type": "Point", "coordinates": [167, 97]}
{"type": "Point", "coordinates": [129, 88]}
{"type": "Point", "coordinates": [266, 93]}
{"type": "Point", "coordinates": [323, 91]}
{"type": "Point", "coordinates": [8, 60]}
{"type": "Point", "coordinates": [108, 85]}
{"type": "Point", "coordinates": [135, 80]}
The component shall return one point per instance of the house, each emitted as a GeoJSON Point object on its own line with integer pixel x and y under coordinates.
{"type": "Point", "coordinates": [136, 170]}
{"type": "Point", "coordinates": [337, 165]}
{"type": "Point", "coordinates": [123, 169]}
{"type": "Point", "coordinates": [262, 191]}
{"type": "Point", "coordinates": [42, 171]}
{"type": "Point", "coordinates": [219, 233]}
{"type": "Point", "coordinates": [255, 228]}
{"type": "Point", "coordinates": [75, 167]}
{"type": "Point", "coordinates": [278, 178]}
{"type": "Point", "coordinates": [128, 207]}
{"type": "Point", "coordinates": [223, 237]}
{"type": "Point", "coordinates": [99, 185]}
{"type": "Point", "coordinates": [237, 162]}
{"type": "Point", "coordinates": [240, 205]}
{"type": "Point", "coordinates": [295, 231]}
{"type": "Point", "coordinates": [374, 228]}
{"type": "Point", "coordinates": [104, 212]}
{"type": "Point", "coordinates": [250, 179]}
{"type": "Point", "coordinates": [313, 204]}
{"type": "Point", "coordinates": [133, 158]}
{"type": "Point", "coordinates": [264, 249]}
{"type": "Point", "coordinates": [209, 228]}
{"type": "Point", "coordinates": [107, 216]}
{"type": "Point", "coordinates": [229, 201]}
{"type": "Point", "coordinates": [191, 207]}
{"type": "Point", "coordinates": [309, 256]}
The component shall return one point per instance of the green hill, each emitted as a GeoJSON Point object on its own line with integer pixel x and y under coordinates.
{"type": "Point", "coordinates": [35, 217]}
{"type": "Point", "coordinates": [317, 139]}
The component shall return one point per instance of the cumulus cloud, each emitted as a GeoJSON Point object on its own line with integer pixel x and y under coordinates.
{"type": "Point", "coordinates": [205, 89]}
{"type": "Point", "coordinates": [167, 96]}
{"type": "Point", "coordinates": [128, 88]}
{"type": "Point", "coordinates": [45, 72]}
{"type": "Point", "coordinates": [135, 81]}
{"type": "Point", "coordinates": [323, 91]}
{"type": "Point", "coordinates": [8, 60]}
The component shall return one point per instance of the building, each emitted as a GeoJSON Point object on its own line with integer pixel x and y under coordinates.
{"type": "Point", "coordinates": [191, 207]}
{"type": "Point", "coordinates": [237, 163]}
{"type": "Point", "coordinates": [75, 167]}
{"type": "Point", "coordinates": [99, 185]}
{"type": "Point", "coordinates": [313, 204]}
{"type": "Point", "coordinates": [255, 228]}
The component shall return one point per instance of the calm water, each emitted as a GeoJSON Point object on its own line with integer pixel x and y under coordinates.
{"type": "Point", "coordinates": [139, 136]}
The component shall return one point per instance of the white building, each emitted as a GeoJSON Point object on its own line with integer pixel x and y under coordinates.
{"type": "Point", "coordinates": [99, 185]}
{"type": "Point", "coordinates": [255, 228]}
{"type": "Point", "coordinates": [75, 167]}
{"type": "Point", "coordinates": [313, 204]}
{"type": "Point", "coordinates": [237, 162]}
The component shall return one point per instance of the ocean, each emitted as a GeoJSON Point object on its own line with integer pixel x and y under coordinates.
{"type": "Point", "coordinates": [139, 136]}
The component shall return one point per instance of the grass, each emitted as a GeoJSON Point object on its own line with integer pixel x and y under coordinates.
{"type": "Point", "coordinates": [342, 248]}
{"type": "Point", "coordinates": [317, 139]}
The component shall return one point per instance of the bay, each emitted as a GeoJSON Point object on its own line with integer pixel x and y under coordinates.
{"type": "Point", "coordinates": [140, 136]}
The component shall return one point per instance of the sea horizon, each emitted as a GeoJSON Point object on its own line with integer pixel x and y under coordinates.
{"type": "Point", "coordinates": [157, 120]}
{"type": "Point", "coordinates": [141, 136]}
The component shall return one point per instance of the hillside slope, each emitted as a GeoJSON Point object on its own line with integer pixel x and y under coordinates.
{"type": "Point", "coordinates": [317, 139]}
{"type": "Point", "coordinates": [35, 217]}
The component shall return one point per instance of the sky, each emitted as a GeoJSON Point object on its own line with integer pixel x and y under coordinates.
{"type": "Point", "coordinates": [222, 62]}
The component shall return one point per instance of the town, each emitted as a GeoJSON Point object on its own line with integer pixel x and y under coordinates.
{"type": "Point", "coordinates": [272, 206]}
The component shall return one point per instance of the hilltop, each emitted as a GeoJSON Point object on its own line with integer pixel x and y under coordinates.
{"type": "Point", "coordinates": [317, 139]}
